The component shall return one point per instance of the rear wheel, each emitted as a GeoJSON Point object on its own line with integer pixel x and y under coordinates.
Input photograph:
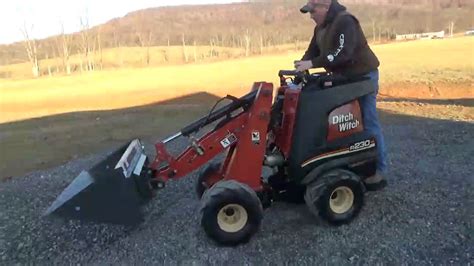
{"type": "Point", "coordinates": [231, 212]}
{"type": "Point", "coordinates": [337, 197]}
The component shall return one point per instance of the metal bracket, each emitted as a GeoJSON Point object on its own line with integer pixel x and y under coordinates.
{"type": "Point", "coordinates": [132, 158]}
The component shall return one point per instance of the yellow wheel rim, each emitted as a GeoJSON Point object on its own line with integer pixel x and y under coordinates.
{"type": "Point", "coordinates": [232, 218]}
{"type": "Point", "coordinates": [342, 199]}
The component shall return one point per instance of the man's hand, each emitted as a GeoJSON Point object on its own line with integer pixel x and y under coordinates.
{"type": "Point", "coordinates": [303, 65]}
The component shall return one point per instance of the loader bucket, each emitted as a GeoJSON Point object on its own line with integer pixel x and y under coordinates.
{"type": "Point", "coordinates": [112, 191]}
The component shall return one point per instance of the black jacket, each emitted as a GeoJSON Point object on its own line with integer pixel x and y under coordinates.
{"type": "Point", "coordinates": [339, 45]}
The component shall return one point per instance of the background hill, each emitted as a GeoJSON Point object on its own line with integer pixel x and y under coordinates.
{"type": "Point", "coordinates": [251, 27]}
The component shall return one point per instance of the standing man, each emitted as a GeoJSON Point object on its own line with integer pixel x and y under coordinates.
{"type": "Point", "coordinates": [339, 46]}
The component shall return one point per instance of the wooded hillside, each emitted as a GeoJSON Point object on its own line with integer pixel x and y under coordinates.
{"type": "Point", "coordinates": [249, 26]}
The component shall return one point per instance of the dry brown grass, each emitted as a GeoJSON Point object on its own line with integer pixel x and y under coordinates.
{"type": "Point", "coordinates": [130, 87]}
{"type": "Point", "coordinates": [136, 57]}
{"type": "Point", "coordinates": [428, 62]}
{"type": "Point", "coordinates": [424, 63]}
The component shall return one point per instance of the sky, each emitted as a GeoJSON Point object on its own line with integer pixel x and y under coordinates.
{"type": "Point", "coordinates": [43, 18]}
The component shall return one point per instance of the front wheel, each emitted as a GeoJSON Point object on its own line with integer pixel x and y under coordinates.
{"type": "Point", "coordinates": [337, 197]}
{"type": "Point", "coordinates": [231, 212]}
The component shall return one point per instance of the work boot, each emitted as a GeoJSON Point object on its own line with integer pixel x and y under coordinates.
{"type": "Point", "coordinates": [375, 182]}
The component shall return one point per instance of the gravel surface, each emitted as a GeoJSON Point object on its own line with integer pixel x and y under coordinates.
{"type": "Point", "coordinates": [424, 216]}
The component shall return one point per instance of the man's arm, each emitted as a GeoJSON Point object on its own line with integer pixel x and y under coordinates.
{"type": "Point", "coordinates": [313, 49]}
{"type": "Point", "coordinates": [342, 46]}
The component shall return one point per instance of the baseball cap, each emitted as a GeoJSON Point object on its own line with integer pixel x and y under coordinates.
{"type": "Point", "coordinates": [314, 3]}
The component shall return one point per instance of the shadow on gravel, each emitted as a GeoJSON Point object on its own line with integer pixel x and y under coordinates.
{"type": "Point", "coordinates": [424, 216]}
{"type": "Point", "coordinates": [54, 140]}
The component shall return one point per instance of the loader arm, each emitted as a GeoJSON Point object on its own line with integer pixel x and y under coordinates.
{"type": "Point", "coordinates": [199, 152]}
{"type": "Point", "coordinates": [243, 136]}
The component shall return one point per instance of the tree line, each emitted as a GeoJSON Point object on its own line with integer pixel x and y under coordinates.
{"type": "Point", "coordinates": [249, 27]}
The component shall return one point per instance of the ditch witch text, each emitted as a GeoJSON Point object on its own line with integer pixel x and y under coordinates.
{"type": "Point", "coordinates": [345, 122]}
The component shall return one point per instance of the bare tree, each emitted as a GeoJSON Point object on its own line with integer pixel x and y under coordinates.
{"type": "Point", "coordinates": [144, 35]}
{"type": "Point", "coordinates": [145, 42]}
{"type": "Point", "coordinates": [185, 52]}
{"type": "Point", "coordinates": [451, 29]}
{"type": "Point", "coordinates": [194, 51]}
{"type": "Point", "coordinates": [118, 45]}
{"type": "Point", "coordinates": [212, 44]}
{"type": "Point", "coordinates": [48, 63]}
{"type": "Point", "coordinates": [233, 40]}
{"type": "Point", "coordinates": [247, 43]}
{"type": "Point", "coordinates": [99, 42]}
{"type": "Point", "coordinates": [63, 43]}
{"type": "Point", "coordinates": [56, 65]}
{"type": "Point", "coordinates": [86, 43]}
{"type": "Point", "coordinates": [380, 33]}
{"type": "Point", "coordinates": [374, 33]}
{"type": "Point", "coordinates": [31, 50]}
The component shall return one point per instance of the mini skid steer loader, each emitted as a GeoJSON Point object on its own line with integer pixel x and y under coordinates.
{"type": "Point", "coordinates": [310, 134]}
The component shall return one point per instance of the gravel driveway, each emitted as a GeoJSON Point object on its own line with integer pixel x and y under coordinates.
{"type": "Point", "coordinates": [424, 216]}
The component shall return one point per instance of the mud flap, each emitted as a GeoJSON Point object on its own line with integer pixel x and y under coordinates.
{"type": "Point", "coordinates": [112, 191]}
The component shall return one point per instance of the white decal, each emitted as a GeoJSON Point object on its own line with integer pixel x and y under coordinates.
{"type": "Point", "coordinates": [361, 145]}
{"type": "Point", "coordinates": [331, 57]}
{"type": "Point", "coordinates": [345, 122]}
{"type": "Point", "coordinates": [256, 137]}
{"type": "Point", "coordinates": [229, 140]}
{"type": "Point", "coordinates": [341, 44]}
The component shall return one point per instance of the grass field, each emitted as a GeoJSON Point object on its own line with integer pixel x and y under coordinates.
{"type": "Point", "coordinates": [136, 57]}
{"type": "Point", "coordinates": [423, 69]}
{"type": "Point", "coordinates": [431, 64]}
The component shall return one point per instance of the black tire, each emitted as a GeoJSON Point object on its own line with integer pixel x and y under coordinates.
{"type": "Point", "coordinates": [214, 217]}
{"type": "Point", "coordinates": [319, 193]}
{"type": "Point", "coordinates": [201, 186]}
